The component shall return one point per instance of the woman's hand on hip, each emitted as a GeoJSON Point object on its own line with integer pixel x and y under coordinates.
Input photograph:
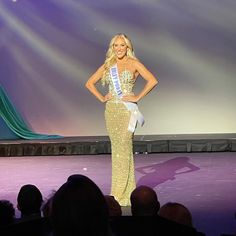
{"type": "Point", "coordinates": [107, 97]}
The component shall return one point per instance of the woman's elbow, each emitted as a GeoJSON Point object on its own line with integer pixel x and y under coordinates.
{"type": "Point", "coordinates": [88, 85]}
{"type": "Point", "coordinates": [154, 83]}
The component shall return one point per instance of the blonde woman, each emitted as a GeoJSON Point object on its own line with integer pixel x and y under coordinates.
{"type": "Point", "coordinates": [120, 71]}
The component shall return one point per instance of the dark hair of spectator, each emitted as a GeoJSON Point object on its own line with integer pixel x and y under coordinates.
{"type": "Point", "coordinates": [7, 212]}
{"type": "Point", "coordinates": [79, 208]}
{"type": "Point", "coordinates": [144, 201]}
{"type": "Point", "coordinates": [29, 200]}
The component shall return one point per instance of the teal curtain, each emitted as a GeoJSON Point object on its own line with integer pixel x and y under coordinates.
{"type": "Point", "coordinates": [15, 122]}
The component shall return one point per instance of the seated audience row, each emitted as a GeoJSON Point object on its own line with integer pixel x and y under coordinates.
{"type": "Point", "coordinates": [79, 208]}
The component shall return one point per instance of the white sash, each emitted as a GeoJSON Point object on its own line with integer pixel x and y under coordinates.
{"type": "Point", "coordinates": [136, 115]}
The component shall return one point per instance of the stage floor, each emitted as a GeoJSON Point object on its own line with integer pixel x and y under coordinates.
{"type": "Point", "coordinates": [204, 182]}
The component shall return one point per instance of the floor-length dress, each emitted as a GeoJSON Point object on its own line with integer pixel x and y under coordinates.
{"type": "Point", "coordinates": [117, 119]}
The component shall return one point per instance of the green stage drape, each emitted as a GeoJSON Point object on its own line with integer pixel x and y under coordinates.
{"type": "Point", "coordinates": [15, 122]}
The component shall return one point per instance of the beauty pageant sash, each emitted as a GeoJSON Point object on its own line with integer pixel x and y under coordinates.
{"type": "Point", "coordinates": [136, 115]}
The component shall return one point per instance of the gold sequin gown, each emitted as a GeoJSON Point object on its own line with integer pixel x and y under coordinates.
{"type": "Point", "coordinates": [117, 119]}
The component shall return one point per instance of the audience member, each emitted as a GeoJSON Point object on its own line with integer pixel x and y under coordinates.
{"type": "Point", "coordinates": [144, 201]}
{"type": "Point", "coordinates": [47, 205]}
{"type": "Point", "coordinates": [7, 213]}
{"type": "Point", "coordinates": [29, 201]}
{"type": "Point", "coordinates": [114, 207]}
{"type": "Point", "coordinates": [176, 212]}
{"type": "Point", "coordinates": [79, 208]}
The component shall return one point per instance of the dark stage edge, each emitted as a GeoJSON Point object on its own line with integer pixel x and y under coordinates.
{"type": "Point", "coordinates": [87, 145]}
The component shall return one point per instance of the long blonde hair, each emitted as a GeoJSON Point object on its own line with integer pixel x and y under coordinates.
{"type": "Point", "coordinates": [111, 57]}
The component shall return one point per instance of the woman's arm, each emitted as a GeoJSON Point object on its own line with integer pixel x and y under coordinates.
{"type": "Point", "coordinates": [90, 84]}
{"type": "Point", "coordinates": [148, 76]}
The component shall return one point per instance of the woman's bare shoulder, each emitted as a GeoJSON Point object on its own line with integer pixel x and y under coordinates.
{"type": "Point", "coordinates": [137, 62]}
{"type": "Point", "coordinates": [101, 68]}
{"type": "Point", "coordinates": [133, 62]}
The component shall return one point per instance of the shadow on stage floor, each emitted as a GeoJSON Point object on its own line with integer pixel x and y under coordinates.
{"type": "Point", "coordinates": [204, 182]}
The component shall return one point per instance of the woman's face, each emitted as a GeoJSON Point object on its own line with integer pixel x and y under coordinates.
{"type": "Point", "coordinates": [120, 48]}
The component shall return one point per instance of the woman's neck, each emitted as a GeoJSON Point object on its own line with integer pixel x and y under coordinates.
{"type": "Point", "coordinates": [122, 60]}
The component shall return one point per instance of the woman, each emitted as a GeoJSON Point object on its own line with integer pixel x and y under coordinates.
{"type": "Point", "coordinates": [120, 71]}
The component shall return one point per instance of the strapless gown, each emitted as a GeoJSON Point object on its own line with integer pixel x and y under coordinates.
{"type": "Point", "coordinates": [117, 119]}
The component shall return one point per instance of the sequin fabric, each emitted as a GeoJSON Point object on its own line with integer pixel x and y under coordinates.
{"type": "Point", "coordinates": [117, 119]}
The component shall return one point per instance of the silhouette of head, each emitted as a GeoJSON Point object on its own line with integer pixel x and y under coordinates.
{"type": "Point", "coordinates": [47, 205]}
{"type": "Point", "coordinates": [113, 206]}
{"type": "Point", "coordinates": [29, 200]}
{"type": "Point", "coordinates": [79, 208]}
{"type": "Point", "coordinates": [176, 212]}
{"type": "Point", "coordinates": [144, 201]}
{"type": "Point", "coordinates": [7, 212]}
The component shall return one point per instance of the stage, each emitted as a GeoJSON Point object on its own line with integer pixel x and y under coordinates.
{"type": "Point", "coordinates": [197, 170]}
{"type": "Point", "coordinates": [204, 182]}
{"type": "Point", "coordinates": [89, 145]}
{"type": "Point", "coordinates": [49, 50]}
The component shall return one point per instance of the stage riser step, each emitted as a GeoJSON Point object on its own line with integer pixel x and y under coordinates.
{"type": "Point", "coordinates": [104, 147]}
